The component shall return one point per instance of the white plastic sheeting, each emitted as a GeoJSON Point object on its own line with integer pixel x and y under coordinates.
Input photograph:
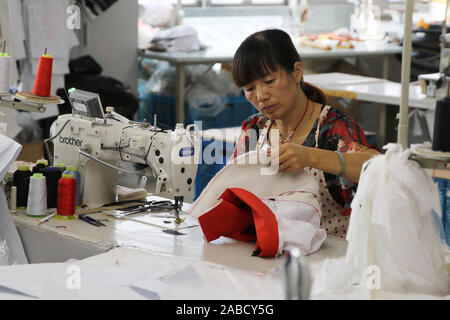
{"type": "Point", "coordinates": [393, 242]}
{"type": "Point", "coordinates": [11, 249]}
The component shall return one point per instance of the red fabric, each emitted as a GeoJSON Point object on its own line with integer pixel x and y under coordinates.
{"type": "Point", "coordinates": [229, 219]}
{"type": "Point", "coordinates": [242, 216]}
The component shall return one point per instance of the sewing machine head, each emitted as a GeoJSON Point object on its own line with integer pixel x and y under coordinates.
{"type": "Point", "coordinates": [437, 85]}
{"type": "Point", "coordinates": [97, 142]}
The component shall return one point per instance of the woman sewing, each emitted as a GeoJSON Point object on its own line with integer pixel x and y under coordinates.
{"type": "Point", "coordinates": [312, 135]}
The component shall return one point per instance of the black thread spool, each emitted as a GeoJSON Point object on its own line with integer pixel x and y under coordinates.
{"type": "Point", "coordinates": [441, 135]}
{"type": "Point", "coordinates": [61, 167]}
{"type": "Point", "coordinates": [40, 166]}
{"type": "Point", "coordinates": [52, 176]}
{"type": "Point", "coordinates": [21, 180]}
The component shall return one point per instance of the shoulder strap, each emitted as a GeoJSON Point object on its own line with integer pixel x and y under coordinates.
{"type": "Point", "coordinates": [322, 117]}
{"type": "Point", "coordinates": [263, 134]}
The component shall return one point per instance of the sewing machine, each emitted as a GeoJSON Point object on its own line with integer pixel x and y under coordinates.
{"type": "Point", "coordinates": [437, 85]}
{"type": "Point", "coordinates": [96, 142]}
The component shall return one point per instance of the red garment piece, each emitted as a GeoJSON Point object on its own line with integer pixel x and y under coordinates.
{"type": "Point", "coordinates": [242, 216]}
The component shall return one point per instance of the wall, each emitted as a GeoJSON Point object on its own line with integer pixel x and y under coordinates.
{"type": "Point", "coordinates": [111, 39]}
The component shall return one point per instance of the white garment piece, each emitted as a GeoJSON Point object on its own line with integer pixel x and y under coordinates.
{"type": "Point", "coordinates": [175, 32]}
{"type": "Point", "coordinates": [12, 30]}
{"type": "Point", "coordinates": [11, 249]}
{"type": "Point", "coordinates": [187, 43]}
{"type": "Point", "coordinates": [297, 221]}
{"type": "Point", "coordinates": [295, 206]}
{"type": "Point", "coordinates": [179, 38]}
{"type": "Point", "coordinates": [9, 117]}
{"type": "Point", "coordinates": [392, 228]}
{"type": "Point", "coordinates": [45, 27]}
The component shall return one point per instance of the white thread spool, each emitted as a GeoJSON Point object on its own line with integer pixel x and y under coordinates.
{"type": "Point", "coordinates": [13, 198]}
{"type": "Point", "coordinates": [5, 63]}
{"type": "Point", "coordinates": [37, 196]}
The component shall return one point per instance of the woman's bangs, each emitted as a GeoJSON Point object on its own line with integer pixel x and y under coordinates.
{"type": "Point", "coordinates": [252, 66]}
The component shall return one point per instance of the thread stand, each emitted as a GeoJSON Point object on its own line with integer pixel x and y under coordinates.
{"type": "Point", "coordinates": [430, 159]}
{"type": "Point", "coordinates": [25, 103]}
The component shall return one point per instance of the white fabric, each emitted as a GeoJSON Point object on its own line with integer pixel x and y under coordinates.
{"type": "Point", "coordinates": [179, 38]}
{"type": "Point", "coordinates": [46, 28]}
{"type": "Point", "coordinates": [11, 249]}
{"type": "Point", "coordinates": [45, 25]}
{"type": "Point", "coordinates": [296, 206]}
{"type": "Point", "coordinates": [126, 273]}
{"type": "Point", "coordinates": [9, 118]}
{"type": "Point", "coordinates": [297, 221]}
{"type": "Point", "coordinates": [391, 227]}
{"type": "Point", "coordinates": [12, 30]}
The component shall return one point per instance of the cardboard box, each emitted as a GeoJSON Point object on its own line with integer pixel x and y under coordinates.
{"type": "Point", "coordinates": [32, 151]}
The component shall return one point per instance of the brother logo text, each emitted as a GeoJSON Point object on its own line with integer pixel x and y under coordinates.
{"type": "Point", "coordinates": [71, 141]}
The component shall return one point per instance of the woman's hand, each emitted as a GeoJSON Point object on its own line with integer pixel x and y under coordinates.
{"type": "Point", "coordinates": [290, 157]}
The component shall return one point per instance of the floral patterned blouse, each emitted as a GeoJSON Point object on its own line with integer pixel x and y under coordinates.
{"type": "Point", "coordinates": [338, 132]}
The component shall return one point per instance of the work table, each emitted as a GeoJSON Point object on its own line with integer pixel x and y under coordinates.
{"type": "Point", "coordinates": [59, 241]}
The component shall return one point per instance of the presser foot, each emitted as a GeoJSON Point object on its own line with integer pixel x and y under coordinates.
{"type": "Point", "coordinates": [178, 219]}
{"type": "Point", "coordinates": [178, 206]}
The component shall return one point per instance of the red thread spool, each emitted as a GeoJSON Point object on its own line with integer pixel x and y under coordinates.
{"type": "Point", "coordinates": [67, 195]}
{"type": "Point", "coordinates": [43, 81]}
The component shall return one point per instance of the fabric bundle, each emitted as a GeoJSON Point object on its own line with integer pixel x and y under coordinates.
{"type": "Point", "coordinates": [247, 201]}
{"type": "Point", "coordinates": [179, 38]}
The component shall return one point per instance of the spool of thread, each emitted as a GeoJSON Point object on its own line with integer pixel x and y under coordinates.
{"type": "Point", "coordinates": [67, 196]}
{"type": "Point", "coordinates": [60, 167]}
{"type": "Point", "coordinates": [21, 180]}
{"type": "Point", "coordinates": [74, 171]}
{"type": "Point", "coordinates": [441, 135]}
{"type": "Point", "coordinates": [5, 64]}
{"type": "Point", "coordinates": [43, 81]}
{"type": "Point", "coordinates": [52, 176]}
{"type": "Point", "coordinates": [37, 197]}
{"type": "Point", "coordinates": [40, 165]}
{"type": "Point", "coordinates": [13, 197]}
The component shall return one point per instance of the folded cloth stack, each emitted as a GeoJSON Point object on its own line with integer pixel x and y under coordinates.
{"type": "Point", "coordinates": [246, 203]}
{"type": "Point", "coordinates": [179, 38]}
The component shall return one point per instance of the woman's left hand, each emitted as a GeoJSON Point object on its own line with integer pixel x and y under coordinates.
{"type": "Point", "coordinates": [289, 157]}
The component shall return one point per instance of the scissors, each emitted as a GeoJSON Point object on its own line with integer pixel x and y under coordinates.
{"type": "Point", "coordinates": [151, 205]}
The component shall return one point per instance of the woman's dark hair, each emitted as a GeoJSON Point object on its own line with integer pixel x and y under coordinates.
{"type": "Point", "coordinates": [264, 52]}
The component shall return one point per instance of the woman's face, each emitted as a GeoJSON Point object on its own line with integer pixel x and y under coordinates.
{"type": "Point", "coordinates": [273, 95]}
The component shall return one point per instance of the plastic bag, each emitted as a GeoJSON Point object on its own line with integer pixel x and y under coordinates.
{"type": "Point", "coordinates": [163, 80]}
{"type": "Point", "coordinates": [209, 87]}
{"type": "Point", "coordinates": [204, 101]}
{"type": "Point", "coordinates": [392, 234]}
